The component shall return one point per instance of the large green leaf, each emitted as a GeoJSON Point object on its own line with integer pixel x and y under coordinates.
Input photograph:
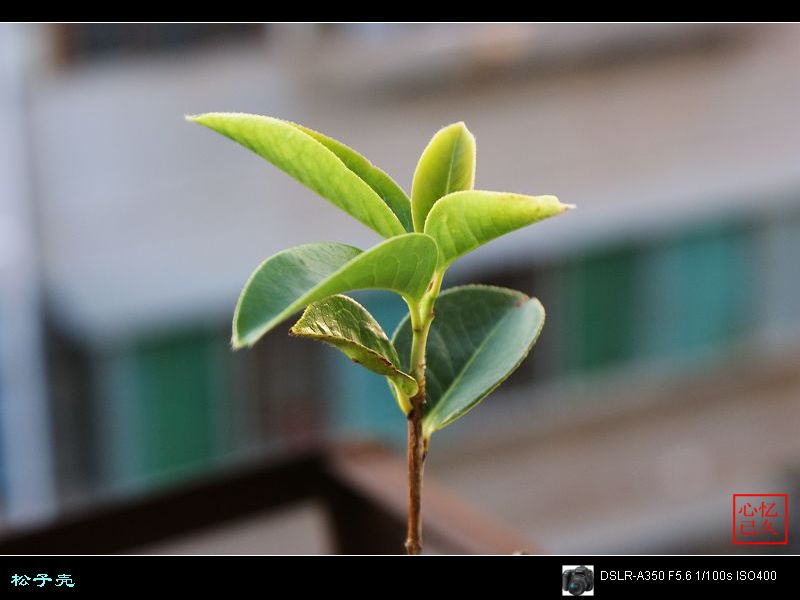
{"type": "Point", "coordinates": [344, 324]}
{"type": "Point", "coordinates": [447, 165]}
{"type": "Point", "coordinates": [294, 278]}
{"type": "Point", "coordinates": [311, 162]}
{"type": "Point", "coordinates": [378, 180]}
{"type": "Point", "coordinates": [479, 337]}
{"type": "Point", "coordinates": [462, 221]}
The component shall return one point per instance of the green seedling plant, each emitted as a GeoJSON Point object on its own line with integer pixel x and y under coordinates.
{"type": "Point", "coordinates": [453, 347]}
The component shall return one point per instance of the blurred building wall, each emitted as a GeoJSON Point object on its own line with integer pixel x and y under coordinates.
{"type": "Point", "coordinates": [679, 144]}
{"type": "Point", "coordinates": [26, 475]}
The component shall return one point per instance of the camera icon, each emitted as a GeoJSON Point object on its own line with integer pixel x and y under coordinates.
{"type": "Point", "coordinates": [577, 580]}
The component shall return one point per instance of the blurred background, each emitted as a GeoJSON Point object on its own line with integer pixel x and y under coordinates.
{"type": "Point", "coordinates": [667, 377]}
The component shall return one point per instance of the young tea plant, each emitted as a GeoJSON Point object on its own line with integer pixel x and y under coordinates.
{"type": "Point", "coordinates": [454, 347]}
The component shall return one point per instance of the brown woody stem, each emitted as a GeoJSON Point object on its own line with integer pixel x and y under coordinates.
{"type": "Point", "coordinates": [416, 465]}
{"type": "Point", "coordinates": [421, 318]}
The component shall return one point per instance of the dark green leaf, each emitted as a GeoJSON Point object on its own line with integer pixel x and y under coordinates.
{"type": "Point", "coordinates": [479, 337]}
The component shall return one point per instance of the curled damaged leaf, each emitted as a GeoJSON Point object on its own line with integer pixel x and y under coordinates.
{"type": "Point", "coordinates": [344, 324]}
{"type": "Point", "coordinates": [479, 337]}
{"type": "Point", "coordinates": [290, 280]}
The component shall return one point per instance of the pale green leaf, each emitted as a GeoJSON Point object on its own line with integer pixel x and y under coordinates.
{"type": "Point", "coordinates": [479, 337]}
{"type": "Point", "coordinates": [344, 324]}
{"type": "Point", "coordinates": [294, 278]}
{"type": "Point", "coordinates": [463, 221]}
{"type": "Point", "coordinates": [447, 165]}
{"type": "Point", "coordinates": [378, 180]}
{"type": "Point", "coordinates": [309, 161]}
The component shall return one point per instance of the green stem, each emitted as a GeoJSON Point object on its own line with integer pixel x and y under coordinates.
{"type": "Point", "coordinates": [422, 314]}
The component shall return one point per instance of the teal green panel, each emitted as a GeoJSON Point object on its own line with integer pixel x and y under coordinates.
{"type": "Point", "coordinates": [178, 387]}
{"type": "Point", "coordinates": [549, 357]}
{"type": "Point", "coordinates": [699, 289]}
{"type": "Point", "coordinates": [599, 294]}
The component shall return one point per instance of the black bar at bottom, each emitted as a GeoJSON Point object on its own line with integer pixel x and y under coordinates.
{"type": "Point", "coordinates": [354, 576]}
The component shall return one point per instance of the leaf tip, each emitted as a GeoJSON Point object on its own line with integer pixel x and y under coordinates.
{"type": "Point", "coordinates": [523, 299]}
{"type": "Point", "coordinates": [464, 130]}
{"type": "Point", "coordinates": [238, 342]}
{"type": "Point", "coordinates": [200, 119]}
{"type": "Point", "coordinates": [561, 207]}
{"type": "Point", "coordinates": [209, 118]}
{"type": "Point", "coordinates": [296, 330]}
